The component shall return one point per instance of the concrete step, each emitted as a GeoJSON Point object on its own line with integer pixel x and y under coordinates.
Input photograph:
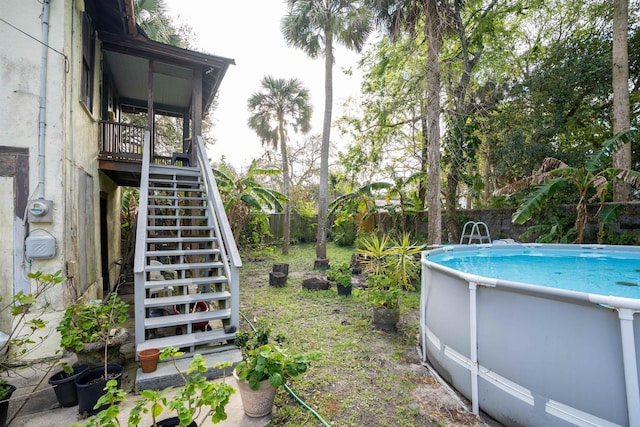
{"type": "Point", "coordinates": [166, 375]}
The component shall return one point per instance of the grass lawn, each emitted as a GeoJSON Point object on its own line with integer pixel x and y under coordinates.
{"type": "Point", "coordinates": [366, 377]}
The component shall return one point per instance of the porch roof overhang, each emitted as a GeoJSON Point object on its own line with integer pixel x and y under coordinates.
{"type": "Point", "coordinates": [174, 71]}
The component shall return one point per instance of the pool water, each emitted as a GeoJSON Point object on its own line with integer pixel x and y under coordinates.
{"type": "Point", "coordinates": [604, 272]}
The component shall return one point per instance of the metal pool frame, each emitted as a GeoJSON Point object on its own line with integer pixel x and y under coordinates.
{"type": "Point", "coordinates": [530, 355]}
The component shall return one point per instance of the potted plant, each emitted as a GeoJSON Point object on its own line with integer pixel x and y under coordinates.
{"type": "Point", "coordinates": [341, 276]}
{"type": "Point", "coordinates": [384, 297]}
{"type": "Point", "coordinates": [25, 311]}
{"type": "Point", "coordinates": [392, 266]}
{"type": "Point", "coordinates": [91, 329]}
{"type": "Point", "coordinates": [64, 384]}
{"type": "Point", "coordinates": [95, 326]}
{"type": "Point", "coordinates": [197, 399]}
{"type": "Point", "coordinates": [265, 366]}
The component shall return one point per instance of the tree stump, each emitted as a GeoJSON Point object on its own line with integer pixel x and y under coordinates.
{"type": "Point", "coordinates": [321, 264]}
{"type": "Point", "coordinates": [281, 268]}
{"type": "Point", "coordinates": [277, 279]}
{"type": "Point", "coordinates": [316, 283]}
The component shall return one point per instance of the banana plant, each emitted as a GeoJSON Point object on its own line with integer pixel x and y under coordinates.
{"type": "Point", "coordinates": [591, 178]}
{"type": "Point", "coordinates": [241, 195]}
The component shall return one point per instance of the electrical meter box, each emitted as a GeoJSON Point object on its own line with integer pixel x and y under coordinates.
{"type": "Point", "coordinates": [40, 246]}
{"type": "Point", "coordinates": [39, 210]}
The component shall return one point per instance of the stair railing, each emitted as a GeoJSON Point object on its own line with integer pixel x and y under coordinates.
{"type": "Point", "coordinates": [228, 248]}
{"type": "Point", "coordinates": [141, 233]}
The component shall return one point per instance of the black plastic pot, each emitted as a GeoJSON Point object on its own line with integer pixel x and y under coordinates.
{"type": "Point", "coordinates": [344, 290]}
{"type": "Point", "coordinates": [172, 422]}
{"type": "Point", "coordinates": [64, 385]}
{"type": "Point", "coordinates": [90, 386]}
{"type": "Point", "coordinates": [4, 406]}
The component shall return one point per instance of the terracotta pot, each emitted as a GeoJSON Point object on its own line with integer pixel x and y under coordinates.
{"type": "Point", "coordinates": [256, 403]}
{"type": "Point", "coordinates": [149, 359]}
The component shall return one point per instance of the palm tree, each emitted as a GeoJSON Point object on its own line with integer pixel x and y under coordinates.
{"type": "Point", "coordinates": [242, 194]}
{"type": "Point", "coordinates": [280, 104]}
{"type": "Point", "coordinates": [152, 17]}
{"type": "Point", "coordinates": [592, 182]}
{"type": "Point", "coordinates": [396, 17]}
{"type": "Point", "coordinates": [313, 26]}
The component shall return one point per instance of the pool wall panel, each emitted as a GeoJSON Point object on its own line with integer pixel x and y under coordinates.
{"type": "Point", "coordinates": [542, 360]}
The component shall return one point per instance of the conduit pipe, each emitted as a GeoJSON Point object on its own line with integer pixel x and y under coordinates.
{"type": "Point", "coordinates": [630, 368]}
{"type": "Point", "coordinates": [43, 96]}
{"type": "Point", "coordinates": [473, 346]}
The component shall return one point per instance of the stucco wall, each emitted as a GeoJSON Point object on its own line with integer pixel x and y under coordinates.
{"type": "Point", "coordinates": [70, 147]}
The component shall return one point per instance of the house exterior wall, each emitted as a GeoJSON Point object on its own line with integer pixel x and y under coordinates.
{"type": "Point", "coordinates": [71, 178]}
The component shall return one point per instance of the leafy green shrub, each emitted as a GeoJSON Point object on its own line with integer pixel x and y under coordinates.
{"type": "Point", "coordinates": [262, 360]}
{"type": "Point", "coordinates": [91, 322]}
{"type": "Point", "coordinates": [340, 275]}
{"type": "Point", "coordinates": [345, 229]}
{"type": "Point", "coordinates": [256, 231]}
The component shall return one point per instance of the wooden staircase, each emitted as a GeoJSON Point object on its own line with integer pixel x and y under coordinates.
{"type": "Point", "coordinates": [186, 269]}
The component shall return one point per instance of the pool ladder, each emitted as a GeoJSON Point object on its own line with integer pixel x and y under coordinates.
{"type": "Point", "coordinates": [475, 231]}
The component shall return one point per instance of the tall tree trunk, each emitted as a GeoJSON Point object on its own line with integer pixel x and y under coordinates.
{"type": "Point", "coordinates": [286, 235]}
{"type": "Point", "coordinates": [620, 80]}
{"type": "Point", "coordinates": [424, 165]}
{"type": "Point", "coordinates": [323, 196]}
{"type": "Point", "coordinates": [451, 199]}
{"type": "Point", "coordinates": [434, 43]}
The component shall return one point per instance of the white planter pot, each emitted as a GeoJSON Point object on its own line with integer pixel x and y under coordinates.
{"type": "Point", "coordinates": [256, 403]}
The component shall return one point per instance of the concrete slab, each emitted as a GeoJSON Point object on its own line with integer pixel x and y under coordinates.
{"type": "Point", "coordinates": [64, 417]}
{"type": "Point", "coordinates": [34, 403]}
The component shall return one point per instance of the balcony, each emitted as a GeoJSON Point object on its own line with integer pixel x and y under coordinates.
{"type": "Point", "coordinates": [120, 155]}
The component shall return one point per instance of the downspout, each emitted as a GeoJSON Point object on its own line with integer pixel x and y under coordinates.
{"type": "Point", "coordinates": [43, 96]}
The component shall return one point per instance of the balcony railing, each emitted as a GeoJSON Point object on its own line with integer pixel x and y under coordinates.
{"type": "Point", "coordinates": [121, 141]}
{"type": "Point", "coordinates": [125, 141]}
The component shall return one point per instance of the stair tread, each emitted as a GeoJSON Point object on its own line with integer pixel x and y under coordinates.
{"type": "Point", "coordinates": [188, 340]}
{"type": "Point", "coordinates": [209, 280]}
{"type": "Point", "coordinates": [183, 319]}
{"type": "Point", "coordinates": [171, 239]}
{"type": "Point", "coordinates": [184, 266]}
{"type": "Point", "coordinates": [152, 206]}
{"type": "Point", "coordinates": [183, 252]}
{"type": "Point", "coordinates": [179, 227]}
{"type": "Point", "coordinates": [163, 197]}
{"type": "Point", "coordinates": [172, 186]}
{"type": "Point", "coordinates": [177, 217]}
{"type": "Point", "coordinates": [186, 299]}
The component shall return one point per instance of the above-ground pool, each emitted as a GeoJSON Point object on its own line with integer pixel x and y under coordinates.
{"type": "Point", "coordinates": [536, 335]}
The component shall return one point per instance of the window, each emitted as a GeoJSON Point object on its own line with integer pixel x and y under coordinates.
{"type": "Point", "coordinates": [88, 59]}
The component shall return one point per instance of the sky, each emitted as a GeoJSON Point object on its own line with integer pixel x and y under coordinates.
{"type": "Point", "coordinates": [248, 31]}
